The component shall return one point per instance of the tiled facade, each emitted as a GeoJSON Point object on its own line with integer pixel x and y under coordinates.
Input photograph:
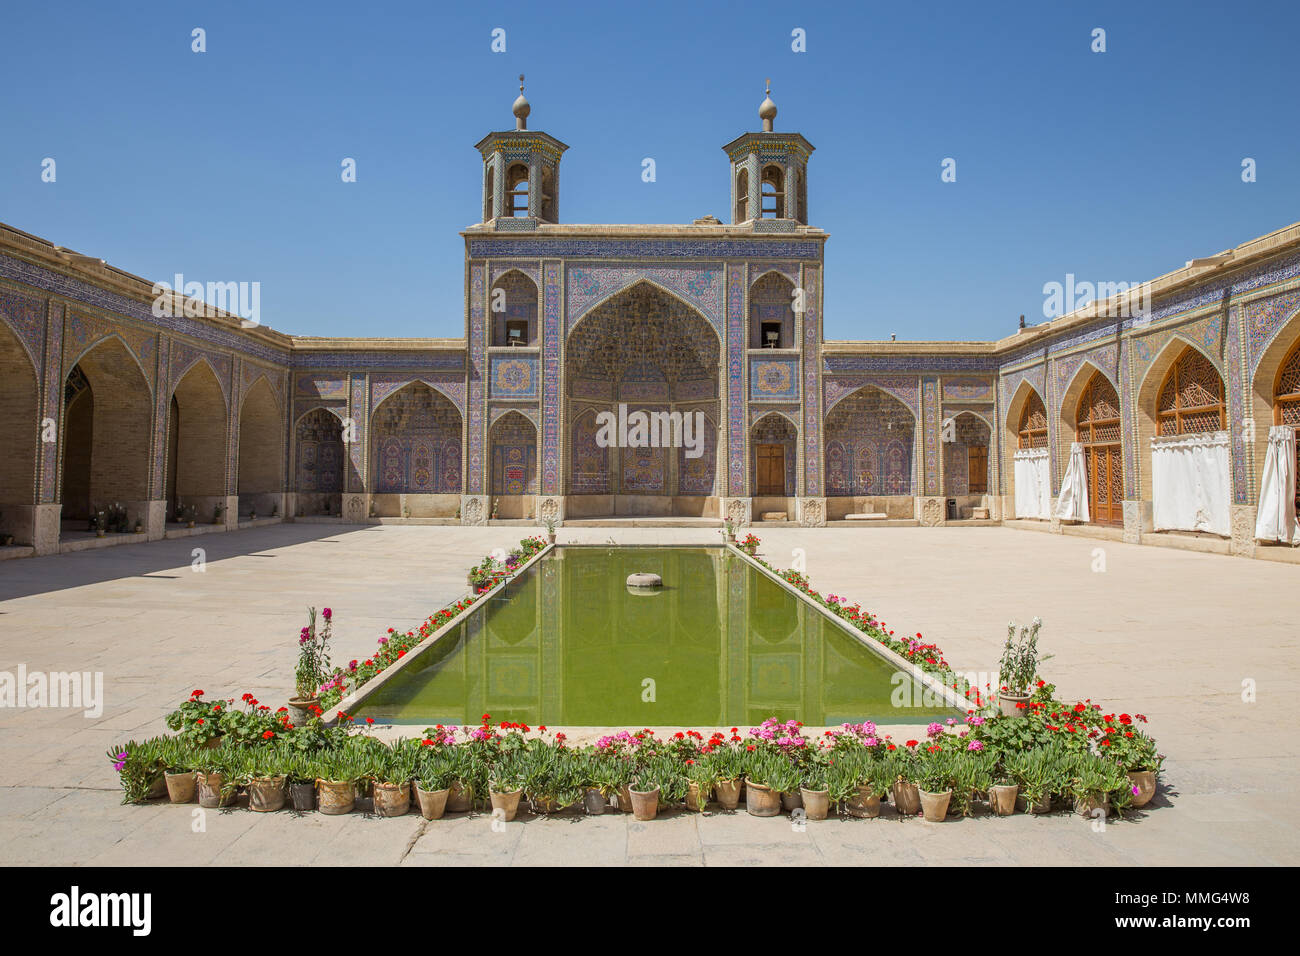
{"type": "Point", "coordinates": [721, 319]}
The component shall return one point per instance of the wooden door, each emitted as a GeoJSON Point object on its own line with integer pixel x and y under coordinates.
{"type": "Point", "coordinates": [1099, 433]}
{"type": "Point", "coordinates": [977, 469]}
{"type": "Point", "coordinates": [771, 470]}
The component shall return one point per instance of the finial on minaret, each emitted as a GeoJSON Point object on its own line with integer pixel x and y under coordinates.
{"type": "Point", "coordinates": [767, 110]}
{"type": "Point", "coordinates": [521, 109]}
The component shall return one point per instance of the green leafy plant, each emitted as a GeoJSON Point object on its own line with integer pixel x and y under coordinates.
{"type": "Point", "coordinates": [313, 667]}
{"type": "Point", "coordinates": [139, 766]}
{"type": "Point", "coordinates": [1020, 658]}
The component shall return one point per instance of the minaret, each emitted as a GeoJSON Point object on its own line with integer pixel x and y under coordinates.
{"type": "Point", "coordinates": [521, 173]}
{"type": "Point", "coordinates": [769, 175]}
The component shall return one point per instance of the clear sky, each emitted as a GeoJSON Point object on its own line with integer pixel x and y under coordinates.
{"type": "Point", "coordinates": [225, 165]}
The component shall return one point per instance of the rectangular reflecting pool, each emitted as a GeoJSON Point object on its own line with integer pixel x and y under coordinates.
{"type": "Point", "coordinates": [567, 643]}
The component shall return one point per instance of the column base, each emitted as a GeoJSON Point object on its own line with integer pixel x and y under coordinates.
{"type": "Point", "coordinates": [1243, 530]}
{"type": "Point", "coordinates": [356, 507]}
{"type": "Point", "coordinates": [811, 512]}
{"type": "Point", "coordinates": [473, 510]}
{"type": "Point", "coordinates": [931, 512]}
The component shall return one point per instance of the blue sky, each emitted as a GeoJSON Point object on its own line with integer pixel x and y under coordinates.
{"type": "Point", "coordinates": [224, 166]}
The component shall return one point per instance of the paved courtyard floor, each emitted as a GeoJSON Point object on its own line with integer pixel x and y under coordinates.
{"type": "Point", "coordinates": [1174, 635]}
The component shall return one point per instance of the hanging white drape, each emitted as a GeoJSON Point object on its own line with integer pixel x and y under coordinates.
{"type": "Point", "coordinates": [1275, 520]}
{"type": "Point", "coordinates": [1191, 483]}
{"type": "Point", "coordinates": [1072, 503]}
{"type": "Point", "coordinates": [1033, 483]}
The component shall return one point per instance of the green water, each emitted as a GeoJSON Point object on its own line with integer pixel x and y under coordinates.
{"type": "Point", "coordinates": [568, 644]}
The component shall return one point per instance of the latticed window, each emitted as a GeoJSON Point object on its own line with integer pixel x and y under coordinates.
{"type": "Point", "coordinates": [1099, 413]}
{"type": "Point", "coordinates": [1033, 424]}
{"type": "Point", "coordinates": [1286, 402]}
{"type": "Point", "coordinates": [1191, 398]}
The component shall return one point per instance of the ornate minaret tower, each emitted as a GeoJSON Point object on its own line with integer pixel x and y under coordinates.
{"type": "Point", "coordinates": [769, 175]}
{"type": "Point", "coordinates": [521, 173]}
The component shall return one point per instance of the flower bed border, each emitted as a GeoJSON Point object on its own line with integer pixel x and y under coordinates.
{"type": "Point", "coordinates": [352, 700]}
{"type": "Point", "coordinates": [928, 680]}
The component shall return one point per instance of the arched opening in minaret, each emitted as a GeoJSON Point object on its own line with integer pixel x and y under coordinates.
{"type": "Point", "coordinates": [773, 192]}
{"type": "Point", "coordinates": [517, 187]}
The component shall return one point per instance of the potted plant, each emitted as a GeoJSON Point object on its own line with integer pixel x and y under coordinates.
{"type": "Point", "coordinates": [1038, 774]}
{"type": "Point", "coordinates": [814, 788]}
{"type": "Point", "coordinates": [728, 531]}
{"type": "Point", "coordinates": [178, 759]}
{"type": "Point", "coordinates": [972, 774]}
{"type": "Point", "coordinates": [140, 769]}
{"type": "Point", "coordinates": [313, 666]}
{"type": "Point", "coordinates": [506, 786]}
{"type": "Point", "coordinates": [302, 770]}
{"type": "Point", "coordinates": [1019, 667]}
{"type": "Point", "coordinates": [392, 771]}
{"type": "Point", "coordinates": [550, 531]}
{"type": "Point", "coordinates": [261, 773]}
{"type": "Point", "coordinates": [699, 783]}
{"type": "Point", "coordinates": [658, 782]}
{"type": "Point", "coordinates": [763, 772]}
{"type": "Point", "coordinates": [1003, 787]}
{"type": "Point", "coordinates": [139, 526]}
{"type": "Point", "coordinates": [935, 770]}
{"type": "Point", "coordinates": [336, 788]}
{"type": "Point", "coordinates": [1136, 754]}
{"type": "Point", "coordinates": [552, 778]}
{"type": "Point", "coordinates": [906, 793]}
{"type": "Point", "coordinates": [215, 782]}
{"type": "Point", "coordinates": [728, 769]}
{"type": "Point", "coordinates": [217, 512]}
{"type": "Point", "coordinates": [434, 776]}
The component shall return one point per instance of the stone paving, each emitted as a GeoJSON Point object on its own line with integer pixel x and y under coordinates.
{"type": "Point", "coordinates": [1171, 634]}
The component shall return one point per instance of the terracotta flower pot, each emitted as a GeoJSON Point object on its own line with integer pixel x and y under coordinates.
{"type": "Point", "coordinates": [546, 805]}
{"type": "Point", "coordinates": [506, 803]}
{"type": "Point", "coordinates": [181, 786]}
{"type": "Point", "coordinates": [392, 799]}
{"type": "Point", "coordinates": [761, 801]}
{"type": "Point", "coordinates": [594, 802]}
{"type": "Point", "coordinates": [1002, 798]}
{"type": "Point", "coordinates": [460, 798]}
{"type": "Point", "coordinates": [934, 806]}
{"type": "Point", "coordinates": [302, 796]}
{"type": "Point", "coordinates": [433, 803]}
{"type": "Point", "coordinates": [727, 793]}
{"type": "Point", "coordinates": [907, 799]}
{"type": "Point", "coordinates": [1084, 806]}
{"type": "Point", "coordinates": [266, 794]}
{"type": "Point", "coordinates": [816, 803]}
{"type": "Point", "coordinates": [625, 799]}
{"type": "Point", "coordinates": [1145, 781]}
{"type": "Point", "coordinates": [1042, 805]}
{"type": "Point", "coordinates": [791, 801]}
{"type": "Point", "coordinates": [645, 804]}
{"type": "Point", "coordinates": [866, 805]}
{"type": "Point", "coordinates": [693, 799]}
{"type": "Point", "coordinates": [336, 797]}
{"type": "Point", "coordinates": [209, 789]}
{"type": "Point", "coordinates": [299, 712]}
{"type": "Point", "coordinates": [1008, 704]}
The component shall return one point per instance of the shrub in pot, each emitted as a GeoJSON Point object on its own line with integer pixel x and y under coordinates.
{"type": "Point", "coordinates": [935, 773]}
{"type": "Point", "coordinates": [658, 782]}
{"type": "Point", "coordinates": [313, 668]}
{"type": "Point", "coordinates": [906, 794]}
{"type": "Point", "coordinates": [435, 773]}
{"type": "Point", "coordinates": [972, 773]}
{"type": "Point", "coordinates": [1019, 667]}
{"type": "Point", "coordinates": [178, 759]}
{"type": "Point", "coordinates": [140, 768]}
{"type": "Point", "coordinates": [1039, 774]}
{"type": "Point", "coordinates": [336, 788]}
{"type": "Point", "coordinates": [392, 772]}
{"type": "Point", "coordinates": [215, 781]}
{"type": "Point", "coordinates": [1003, 787]}
{"type": "Point", "coordinates": [506, 786]}
{"type": "Point", "coordinates": [764, 771]}
{"type": "Point", "coordinates": [700, 782]}
{"type": "Point", "coordinates": [814, 788]}
{"type": "Point", "coordinates": [1093, 781]}
{"type": "Point", "coordinates": [260, 772]}
{"type": "Point", "coordinates": [552, 778]}
{"type": "Point", "coordinates": [727, 767]}
{"type": "Point", "coordinates": [302, 770]}
{"type": "Point", "coordinates": [1136, 754]}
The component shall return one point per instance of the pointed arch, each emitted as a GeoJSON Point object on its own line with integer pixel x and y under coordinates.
{"type": "Point", "coordinates": [20, 400]}
{"type": "Point", "coordinates": [1092, 415]}
{"type": "Point", "coordinates": [513, 303]}
{"type": "Point", "coordinates": [107, 432]}
{"type": "Point", "coordinates": [415, 442]}
{"type": "Point", "coordinates": [966, 455]}
{"type": "Point", "coordinates": [512, 451]}
{"type": "Point", "coordinates": [197, 435]}
{"type": "Point", "coordinates": [870, 425]}
{"type": "Point", "coordinates": [260, 473]}
{"type": "Point", "coordinates": [773, 456]}
{"type": "Point", "coordinates": [771, 311]}
{"type": "Point", "coordinates": [145, 373]}
{"type": "Point", "coordinates": [589, 457]}
{"type": "Point", "coordinates": [1026, 426]}
{"type": "Point", "coordinates": [630, 288]}
{"type": "Point", "coordinates": [1270, 400]}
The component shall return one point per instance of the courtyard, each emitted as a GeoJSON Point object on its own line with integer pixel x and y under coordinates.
{"type": "Point", "coordinates": [1200, 643]}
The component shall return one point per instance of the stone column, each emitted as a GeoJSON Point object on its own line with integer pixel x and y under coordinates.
{"type": "Point", "coordinates": [1243, 530]}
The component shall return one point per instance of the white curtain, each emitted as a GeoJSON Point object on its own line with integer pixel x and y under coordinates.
{"type": "Point", "coordinates": [1191, 483]}
{"type": "Point", "coordinates": [1276, 516]}
{"type": "Point", "coordinates": [1033, 483]}
{"type": "Point", "coordinates": [1072, 503]}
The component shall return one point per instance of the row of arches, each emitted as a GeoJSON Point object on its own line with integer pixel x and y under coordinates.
{"type": "Point", "coordinates": [1183, 395]}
